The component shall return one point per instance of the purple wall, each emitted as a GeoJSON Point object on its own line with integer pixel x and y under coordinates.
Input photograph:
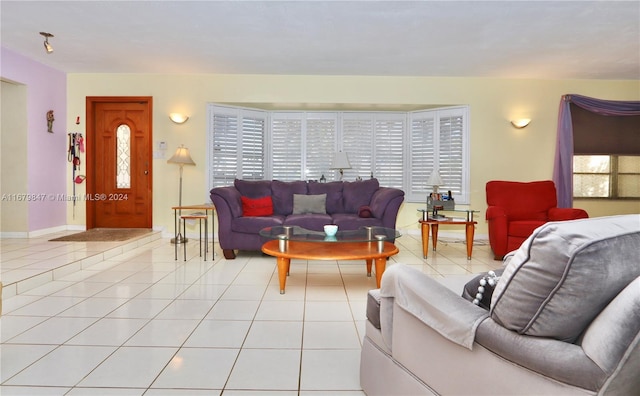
{"type": "Point", "coordinates": [46, 160]}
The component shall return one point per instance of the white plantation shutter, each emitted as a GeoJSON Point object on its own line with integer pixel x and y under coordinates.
{"type": "Point", "coordinates": [357, 142]}
{"type": "Point", "coordinates": [286, 146]}
{"type": "Point", "coordinates": [439, 139]}
{"type": "Point", "coordinates": [399, 149]}
{"type": "Point", "coordinates": [422, 149]}
{"type": "Point", "coordinates": [374, 144]}
{"type": "Point", "coordinates": [320, 145]}
{"type": "Point", "coordinates": [253, 132]}
{"type": "Point", "coordinates": [451, 131]}
{"type": "Point", "coordinates": [236, 145]}
{"type": "Point", "coordinates": [388, 156]}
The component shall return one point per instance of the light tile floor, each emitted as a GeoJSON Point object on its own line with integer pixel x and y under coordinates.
{"type": "Point", "coordinates": [139, 323]}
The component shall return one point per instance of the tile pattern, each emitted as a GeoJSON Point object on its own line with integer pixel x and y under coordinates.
{"type": "Point", "coordinates": [137, 322]}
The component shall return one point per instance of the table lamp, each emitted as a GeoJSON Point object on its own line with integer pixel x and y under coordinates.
{"type": "Point", "coordinates": [435, 180]}
{"type": "Point", "coordinates": [341, 162]}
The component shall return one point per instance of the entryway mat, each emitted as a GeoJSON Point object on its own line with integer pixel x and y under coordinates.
{"type": "Point", "coordinates": [104, 235]}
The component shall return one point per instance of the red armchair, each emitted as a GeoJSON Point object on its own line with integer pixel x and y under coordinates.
{"type": "Point", "coordinates": [515, 209]}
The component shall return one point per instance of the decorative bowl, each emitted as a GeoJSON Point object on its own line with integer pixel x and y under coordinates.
{"type": "Point", "coordinates": [330, 229]}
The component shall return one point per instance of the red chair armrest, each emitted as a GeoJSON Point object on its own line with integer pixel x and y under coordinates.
{"type": "Point", "coordinates": [494, 212]}
{"type": "Point", "coordinates": [562, 214]}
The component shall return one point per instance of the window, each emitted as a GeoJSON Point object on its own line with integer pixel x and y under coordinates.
{"type": "Point", "coordinates": [302, 145]}
{"type": "Point", "coordinates": [374, 143]}
{"type": "Point", "coordinates": [606, 161]}
{"type": "Point", "coordinates": [606, 176]}
{"type": "Point", "coordinates": [439, 139]}
{"type": "Point", "coordinates": [123, 156]}
{"type": "Point", "coordinates": [236, 145]}
{"type": "Point", "coordinates": [399, 149]}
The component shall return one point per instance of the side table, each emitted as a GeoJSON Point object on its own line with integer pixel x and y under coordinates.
{"type": "Point", "coordinates": [430, 224]}
{"type": "Point", "coordinates": [206, 208]}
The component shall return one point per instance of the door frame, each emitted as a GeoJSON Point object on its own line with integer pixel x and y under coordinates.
{"type": "Point", "coordinates": [91, 102]}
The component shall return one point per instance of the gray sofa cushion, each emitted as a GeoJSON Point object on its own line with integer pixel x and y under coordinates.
{"type": "Point", "coordinates": [309, 204]}
{"type": "Point", "coordinates": [565, 273]}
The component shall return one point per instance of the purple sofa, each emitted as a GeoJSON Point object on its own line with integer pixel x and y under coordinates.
{"type": "Point", "coordinates": [349, 205]}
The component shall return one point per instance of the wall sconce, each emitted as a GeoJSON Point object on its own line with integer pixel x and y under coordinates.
{"type": "Point", "coordinates": [520, 123]}
{"type": "Point", "coordinates": [47, 46]}
{"type": "Point", "coordinates": [178, 118]}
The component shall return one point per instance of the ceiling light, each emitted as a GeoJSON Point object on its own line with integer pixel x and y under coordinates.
{"type": "Point", "coordinates": [521, 123]}
{"type": "Point", "coordinates": [178, 118]}
{"type": "Point", "coordinates": [47, 46]}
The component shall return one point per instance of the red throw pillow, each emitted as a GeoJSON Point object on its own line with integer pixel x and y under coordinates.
{"type": "Point", "coordinates": [257, 206]}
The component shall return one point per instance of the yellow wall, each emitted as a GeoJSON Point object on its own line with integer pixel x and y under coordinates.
{"type": "Point", "coordinates": [498, 151]}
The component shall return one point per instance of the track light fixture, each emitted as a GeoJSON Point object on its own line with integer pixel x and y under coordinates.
{"type": "Point", "coordinates": [47, 46]}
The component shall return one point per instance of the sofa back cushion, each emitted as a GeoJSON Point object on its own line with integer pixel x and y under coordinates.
{"type": "Point", "coordinates": [282, 194]}
{"type": "Point", "coordinates": [253, 188]}
{"type": "Point", "coordinates": [522, 201]}
{"type": "Point", "coordinates": [358, 193]}
{"type": "Point", "coordinates": [565, 273]}
{"type": "Point", "coordinates": [334, 194]}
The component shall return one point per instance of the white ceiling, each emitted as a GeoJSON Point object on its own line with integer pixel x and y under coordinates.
{"type": "Point", "coordinates": [506, 39]}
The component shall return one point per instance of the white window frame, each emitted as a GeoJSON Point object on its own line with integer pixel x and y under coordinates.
{"type": "Point", "coordinates": [240, 114]}
{"type": "Point", "coordinates": [416, 188]}
{"type": "Point", "coordinates": [415, 173]}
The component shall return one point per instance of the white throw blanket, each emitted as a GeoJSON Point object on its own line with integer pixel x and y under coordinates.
{"type": "Point", "coordinates": [433, 304]}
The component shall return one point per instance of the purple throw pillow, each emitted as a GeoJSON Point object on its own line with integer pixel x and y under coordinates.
{"type": "Point", "coordinates": [365, 212]}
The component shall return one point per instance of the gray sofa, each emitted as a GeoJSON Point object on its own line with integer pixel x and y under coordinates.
{"type": "Point", "coordinates": [564, 319]}
{"type": "Point", "coordinates": [311, 205]}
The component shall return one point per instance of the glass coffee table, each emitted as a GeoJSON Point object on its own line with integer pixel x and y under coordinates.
{"type": "Point", "coordinates": [293, 242]}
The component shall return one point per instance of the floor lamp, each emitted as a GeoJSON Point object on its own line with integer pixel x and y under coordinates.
{"type": "Point", "coordinates": [182, 158]}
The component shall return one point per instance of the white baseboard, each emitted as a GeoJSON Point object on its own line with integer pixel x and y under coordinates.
{"type": "Point", "coordinates": [44, 231]}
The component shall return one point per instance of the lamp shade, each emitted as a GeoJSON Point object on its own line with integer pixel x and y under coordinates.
{"type": "Point", "coordinates": [434, 179]}
{"type": "Point", "coordinates": [181, 157]}
{"type": "Point", "coordinates": [340, 161]}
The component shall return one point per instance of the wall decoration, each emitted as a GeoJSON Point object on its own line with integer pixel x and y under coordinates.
{"type": "Point", "coordinates": [50, 120]}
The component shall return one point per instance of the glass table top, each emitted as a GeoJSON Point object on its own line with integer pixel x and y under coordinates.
{"type": "Point", "coordinates": [297, 233]}
{"type": "Point", "coordinates": [433, 214]}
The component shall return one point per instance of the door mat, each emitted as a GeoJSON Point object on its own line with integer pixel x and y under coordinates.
{"type": "Point", "coordinates": [104, 235]}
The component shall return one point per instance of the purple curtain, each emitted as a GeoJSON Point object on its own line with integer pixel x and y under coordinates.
{"type": "Point", "coordinates": [563, 166]}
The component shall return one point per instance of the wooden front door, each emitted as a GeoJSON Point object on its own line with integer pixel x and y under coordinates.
{"type": "Point", "coordinates": [119, 158]}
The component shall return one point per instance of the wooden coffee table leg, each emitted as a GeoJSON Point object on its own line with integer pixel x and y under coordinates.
{"type": "Point", "coordinates": [283, 271]}
{"type": "Point", "coordinates": [425, 239]}
{"type": "Point", "coordinates": [381, 264]}
{"type": "Point", "coordinates": [434, 237]}
{"type": "Point", "coordinates": [369, 265]}
{"type": "Point", "coordinates": [470, 232]}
